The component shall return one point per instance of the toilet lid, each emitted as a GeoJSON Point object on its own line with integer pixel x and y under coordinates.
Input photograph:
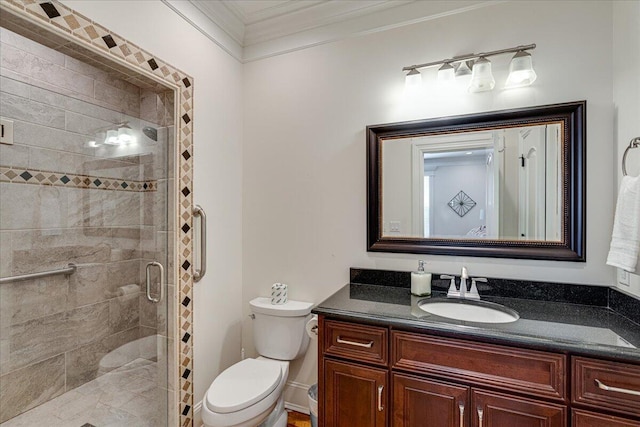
{"type": "Point", "coordinates": [242, 385]}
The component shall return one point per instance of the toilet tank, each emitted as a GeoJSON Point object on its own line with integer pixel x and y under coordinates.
{"type": "Point", "coordinates": [279, 330]}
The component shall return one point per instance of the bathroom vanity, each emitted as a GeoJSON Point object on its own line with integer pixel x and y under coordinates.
{"type": "Point", "coordinates": [385, 362]}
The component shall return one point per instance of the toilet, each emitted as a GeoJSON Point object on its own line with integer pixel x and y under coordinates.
{"type": "Point", "coordinates": [249, 393]}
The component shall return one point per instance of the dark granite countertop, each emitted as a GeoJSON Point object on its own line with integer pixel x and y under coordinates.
{"type": "Point", "coordinates": [583, 329]}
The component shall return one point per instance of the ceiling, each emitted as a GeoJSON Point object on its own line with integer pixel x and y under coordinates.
{"type": "Point", "coordinates": [255, 29]}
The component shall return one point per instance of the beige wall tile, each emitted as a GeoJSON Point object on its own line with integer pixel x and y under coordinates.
{"type": "Point", "coordinates": [128, 102]}
{"type": "Point", "coordinates": [65, 102]}
{"type": "Point", "coordinates": [15, 107]}
{"type": "Point", "coordinates": [41, 338]}
{"type": "Point", "coordinates": [20, 42]}
{"type": "Point", "coordinates": [14, 87]}
{"type": "Point", "coordinates": [83, 363]}
{"type": "Point", "coordinates": [124, 313]}
{"type": "Point", "coordinates": [29, 387]}
{"type": "Point", "coordinates": [42, 136]}
{"type": "Point", "coordinates": [14, 155]}
{"type": "Point", "coordinates": [31, 299]}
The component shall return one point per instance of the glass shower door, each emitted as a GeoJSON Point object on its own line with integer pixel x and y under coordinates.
{"type": "Point", "coordinates": [84, 194]}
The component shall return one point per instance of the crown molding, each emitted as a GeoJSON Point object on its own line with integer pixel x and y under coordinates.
{"type": "Point", "coordinates": [201, 22]}
{"type": "Point", "coordinates": [229, 19]}
{"type": "Point", "coordinates": [288, 27]}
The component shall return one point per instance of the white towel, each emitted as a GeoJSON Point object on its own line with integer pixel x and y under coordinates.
{"type": "Point", "coordinates": [625, 240]}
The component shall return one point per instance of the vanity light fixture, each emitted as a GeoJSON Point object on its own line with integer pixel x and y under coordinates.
{"type": "Point", "coordinates": [477, 66]}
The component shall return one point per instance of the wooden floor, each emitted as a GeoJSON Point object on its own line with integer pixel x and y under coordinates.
{"type": "Point", "coordinates": [296, 419]}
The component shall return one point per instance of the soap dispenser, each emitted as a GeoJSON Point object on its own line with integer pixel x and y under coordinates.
{"type": "Point", "coordinates": [420, 281]}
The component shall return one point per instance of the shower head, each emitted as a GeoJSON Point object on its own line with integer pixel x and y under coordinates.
{"type": "Point", "coordinates": [151, 133]}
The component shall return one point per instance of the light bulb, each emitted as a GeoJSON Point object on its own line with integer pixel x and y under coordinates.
{"type": "Point", "coordinates": [125, 134]}
{"type": "Point", "coordinates": [446, 73]}
{"type": "Point", "coordinates": [413, 79]}
{"type": "Point", "coordinates": [112, 137]}
{"type": "Point", "coordinates": [482, 78]}
{"type": "Point", "coordinates": [521, 71]}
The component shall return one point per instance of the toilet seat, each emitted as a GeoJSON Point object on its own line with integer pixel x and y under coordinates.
{"type": "Point", "coordinates": [242, 385]}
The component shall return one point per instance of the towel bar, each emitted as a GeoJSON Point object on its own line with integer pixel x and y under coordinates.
{"type": "Point", "coordinates": [635, 143]}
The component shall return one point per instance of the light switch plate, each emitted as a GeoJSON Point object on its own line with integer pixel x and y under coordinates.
{"type": "Point", "coordinates": [623, 277]}
{"type": "Point", "coordinates": [6, 131]}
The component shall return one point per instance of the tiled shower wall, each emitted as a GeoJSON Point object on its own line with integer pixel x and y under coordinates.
{"type": "Point", "coordinates": [63, 201]}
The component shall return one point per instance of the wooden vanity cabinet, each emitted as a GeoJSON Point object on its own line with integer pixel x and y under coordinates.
{"type": "Point", "coordinates": [358, 397]}
{"type": "Point", "coordinates": [423, 402]}
{"type": "Point", "coordinates": [591, 419]}
{"type": "Point", "coordinates": [353, 380]}
{"type": "Point", "coordinates": [375, 376]}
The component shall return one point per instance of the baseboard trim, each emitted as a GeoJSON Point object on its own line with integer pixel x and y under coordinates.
{"type": "Point", "coordinates": [197, 416]}
{"type": "Point", "coordinates": [300, 390]}
{"type": "Point", "coordinates": [297, 408]}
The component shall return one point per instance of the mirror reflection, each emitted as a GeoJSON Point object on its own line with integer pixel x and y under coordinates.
{"type": "Point", "coordinates": [504, 183]}
{"type": "Point", "coordinates": [495, 184]}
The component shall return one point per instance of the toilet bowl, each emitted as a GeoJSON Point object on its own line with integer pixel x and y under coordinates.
{"type": "Point", "coordinates": [245, 394]}
{"type": "Point", "coordinates": [250, 393]}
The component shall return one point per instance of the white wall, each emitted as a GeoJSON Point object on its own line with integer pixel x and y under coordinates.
{"type": "Point", "coordinates": [626, 97]}
{"type": "Point", "coordinates": [217, 166]}
{"type": "Point", "coordinates": [305, 113]}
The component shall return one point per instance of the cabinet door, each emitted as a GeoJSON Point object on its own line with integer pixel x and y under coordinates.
{"type": "Point", "coordinates": [500, 410]}
{"type": "Point", "coordinates": [590, 419]}
{"type": "Point", "coordinates": [420, 402]}
{"type": "Point", "coordinates": [355, 396]}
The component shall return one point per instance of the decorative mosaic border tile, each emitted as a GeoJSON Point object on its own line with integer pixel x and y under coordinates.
{"type": "Point", "coordinates": [62, 179]}
{"type": "Point", "coordinates": [105, 47]}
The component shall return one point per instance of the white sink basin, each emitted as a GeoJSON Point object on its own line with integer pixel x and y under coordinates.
{"type": "Point", "coordinates": [469, 310]}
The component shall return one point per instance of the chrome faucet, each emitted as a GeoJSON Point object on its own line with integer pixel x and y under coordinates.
{"type": "Point", "coordinates": [463, 282]}
{"type": "Point", "coordinates": [463, 292]}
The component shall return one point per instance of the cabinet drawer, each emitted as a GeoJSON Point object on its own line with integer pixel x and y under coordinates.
{"type": "Point", "coordinates": [588, 419]}
{"type": "Point", "coordinates": [356, 342]}
{"type": "Point", "coordinates": [532, 372]}
{"type": "Point", "coordinates": [593, 377]}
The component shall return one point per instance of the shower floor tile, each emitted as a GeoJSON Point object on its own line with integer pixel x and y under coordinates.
{"type": "Point", "coordinates": [125, 397]}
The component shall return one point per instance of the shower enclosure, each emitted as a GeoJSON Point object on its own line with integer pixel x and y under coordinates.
{"type": "Point", "coordinates": [86, 247]}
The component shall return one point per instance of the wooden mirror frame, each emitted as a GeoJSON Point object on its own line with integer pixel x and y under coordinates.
{"type": "Point", "coordinates": [572, 115]}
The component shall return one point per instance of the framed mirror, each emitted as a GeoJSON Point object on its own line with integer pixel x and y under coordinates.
{"type": "Point", "coordinates": [508, 184]}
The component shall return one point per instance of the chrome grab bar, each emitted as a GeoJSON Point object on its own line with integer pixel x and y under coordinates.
{"type": "Point", "coordinates": [199, 273]}
{"type": "Point", "coordinates": [69, 269]}
{"type": "Point", "coordinates": [148, 282]}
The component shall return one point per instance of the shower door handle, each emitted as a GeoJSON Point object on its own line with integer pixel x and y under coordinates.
{"type": "Point", "coordinates": [199, 273]}
{"type": "Point", "coordinates": [148, 281]}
